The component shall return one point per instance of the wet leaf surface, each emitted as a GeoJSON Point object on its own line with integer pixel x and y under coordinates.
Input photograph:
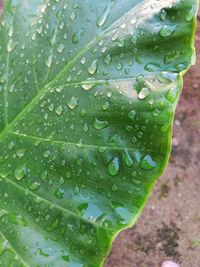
{"type": "Point", "coordinates": [88, 91]}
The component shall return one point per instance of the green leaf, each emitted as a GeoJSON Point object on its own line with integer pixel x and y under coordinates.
{"type": "Point", "coordinates": [88, 91]}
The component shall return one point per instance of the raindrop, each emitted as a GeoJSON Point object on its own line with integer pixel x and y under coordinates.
{"type": "Point", "coordinates": [85, 127]}
{"type": "Point", "coordinates": [143, 93]}
{"type": "Point", "coordinates": [46, 154]}
{"type": "Point", "coordinates": [11, 145]}
{"type": "Point", "coordinates": [120, 43]}
{"type": "Point", "coordinates": [108, 59]}
{"type": "Point", "coordinates": [123, 26]}
{"type": "Point", "coordinates": [119, 66]}
{"type": "Point", "coordinates": [156, 112]}
{"type": "Point", "coordinates": [133, 20]}
{"type": "Point", "coordinates": [44, 175]}
{"type": "Point", "coordinates": [127, 159]}
{"type": "Point", "coordinates": [59, 110]}
{"type": "Point", "coordinates": [165, 127]}
{"type": "Point", "coordinates": [190, 15]}
{"type": "Point", "coordinates": [172, 94]}
{"type": "Point", "coordinates": [72, 16]}
{"type": "Point", "coordinates": [72, 103]}
{"type": "Point", "coordinates": [21, 172]}
{"type": "Point", "coordinates": [163, 15]}
{"type": "Point", "coordinates": [61, 180]}
{"type": "Point", "coordinates": [147, 163]}
{"type": "Point", "coordinates": [99, 124]}
{"type": "Point", "coordinates": [167, 30]}
{"type": "Point", "coordinates": [134, 140]}
{"type": "Point", "coordinates": [151, 67]}
{"type": "Point", "coordinates": [87, 86]}
{"type": "Point", "coordinates": [76, 190]}
{"type": "Point", "coordinates": [113, 166]}
{"type": "Point", "coordinates": [109, 94]}
{"type": "Point", "coordinates": [34, 186]}
{"type": "Point", "coordinates": [49, 61]}
{"type": "Point", "coordinates": [61, 26]}
{"type": "Point", "coordinates": [134, 39]}
{"type": "Point", "coordinates": [83, 60]}
{"type": "Point", "coordinates": [114, 188]}
{"type": "Point", "coordinates": [68, 174]}
{"type": "Point", "coordinates": [167, 77]}
{"type": "Point", "coordinates": [132, 114]}
{"type": "Point", "coordinates": [104, 16]}
{"type": "Point", "coordinates": [10, 32]}
{"type": "Point", "coordinates": [105, 106]}
{"type": "Point", "coordinates": [20, 153]}
{"type": "Point", "coordinates": [59, 193]}
{"type": "Point", "coordinates": [11, 46]}
{"type": "Point", "coordinates": [93, 67]}
{"type": "Point", "coordinates": [76, 37]}
{"type": "Point", "coordinates": [59, 89]}
{"type": "Point", "coordinates": [139, 134]}
{"type": "Point", "coordinates": [51, 107]}
{"type": "Point", "coordinates": [60, 48]}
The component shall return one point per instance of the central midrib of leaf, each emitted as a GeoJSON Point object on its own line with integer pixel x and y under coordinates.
{"type": "Point", "coordinates": [43, 91]}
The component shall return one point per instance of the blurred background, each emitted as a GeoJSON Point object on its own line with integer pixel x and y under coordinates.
{"type": "Point", "coordinates": [169, 227]}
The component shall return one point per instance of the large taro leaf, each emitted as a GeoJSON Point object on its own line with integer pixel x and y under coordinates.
{"type": "Point", "coordinates": [88, 91]}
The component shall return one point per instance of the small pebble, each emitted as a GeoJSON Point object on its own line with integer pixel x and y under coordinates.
{"type": "Point", "coordinates": [170, 264]}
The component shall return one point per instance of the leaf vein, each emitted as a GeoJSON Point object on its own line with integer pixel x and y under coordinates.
{"type": "Point", "coordinates": [13, 249]}
{"type": "Point", "coordinates": [69, 143]}
{"type": "Point", "coordinates": [62, 209]}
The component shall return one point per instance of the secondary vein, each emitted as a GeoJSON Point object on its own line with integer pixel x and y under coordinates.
{"type": "Point", "coordinates": [13, 249]}
{"type": "Point", "coordinates": [41, 139]}
{"type": "Point", "coordinates": [50, 203]}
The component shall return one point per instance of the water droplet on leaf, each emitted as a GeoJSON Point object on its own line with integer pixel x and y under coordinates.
{"type": "Point", "coordinates": [132, 114]}
{"type": "Point", "coordinates": [59, 110]}
{"type": "Point", "coordinates": [93, 67]}
{"type": "Point", "coordinates": [59, 193]}
{"type": "Point", "coordinates": [72, 103]}
{"type": "Point", "coordinates": [113, 166]}
{"type": "Point", "coordinates": [167, 30]}
{"type": "Point", "coordinates": [60, 48]}
{"type": "Point", "coordinates": [147, 163]}
{"type": "Point", "coordinates": [34, 186]}
{"type": "Point", "coordinates": [144, 92]}
{"type": "Point", "coordinates": [108, 59]}
{"type": "Point", "coordinates": [99, 124]}
{"type": "Point", "coordinates": [114, 188]}
{"type": "Point", "coordinates": [21, 172]}
{"type": "Point", "coordinates": [76, 190]}
{"type": "Point", "coordinates": [49, 61]}
{"type": "Point", "coordinates": [87, 86]}
{"type": "Point", "coordinates": [76, 37]}
{"type": "Point", "coordinates": [163, 15]}
{"type": "Point", "coordinates": [106, 105]}
{"type": "Point", "coordinates": [172, 94]}
{"type": "Point", "coordinates": [105, 14]}
{"type": "Point", "coordinates": [127, 159]}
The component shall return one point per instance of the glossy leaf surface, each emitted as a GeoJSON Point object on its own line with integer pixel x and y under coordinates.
{"type": "Point", "coordinates": [88, 91]}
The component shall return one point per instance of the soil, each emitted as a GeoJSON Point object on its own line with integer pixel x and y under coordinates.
{"type": "Point", "coordinates": [169, 227]}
